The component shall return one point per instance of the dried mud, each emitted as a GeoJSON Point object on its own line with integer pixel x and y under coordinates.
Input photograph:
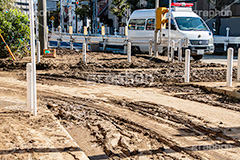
{"type": "Point", "coordinates": [120, 136]}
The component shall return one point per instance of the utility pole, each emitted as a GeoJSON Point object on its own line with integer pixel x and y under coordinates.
{"type": "Point", "coordinates": [36, 18]}
{"type": "Point", "coordinates": [69, 13]}
{"type": "Point", "coordinates": [95, 10]}
{"type": "Point", "coordinates": [42, 16]}
{"type": "Point", "coordinates": [61, 15]}
{"type": "Point", "coordinates": [156, 31]}
{"type": "Point", "coordinates": [169, 27]}
{"type": "Point", "coordinates": [76, 6]}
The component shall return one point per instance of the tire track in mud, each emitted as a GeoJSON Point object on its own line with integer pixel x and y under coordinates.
{"type": "Point", "coordinates": [121, 121]}
{"type": "Point", "coordinates": [173, 120]}
{"type": "Point", "coordinates": [165, 114]}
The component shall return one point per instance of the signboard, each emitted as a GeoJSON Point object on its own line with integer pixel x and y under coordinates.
{"type": "Point", "coordinates": [49, 53]}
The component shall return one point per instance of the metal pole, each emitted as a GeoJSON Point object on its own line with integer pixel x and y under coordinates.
{"type": "Point", "coordinates": [36, 19]}
{"type": "Point", "coordinates": [96, 12]}
{"type": "Point", "coordinates": [59, 36]}
{"type": "Point", "coordinates": [34, 94]}
{"type": "Point", "coordinates": [76, 6]}
{"type": "Point", "coordinates": [69, 14]}
{"type": "Point", "coordinates": [38, 52]}
{"type": "Point", "coordinates": [172, 50]}
{"type": "Point", "coordinates": [42, 13]}
{"type": "Point", "coordinates": [227, 39]}
{"type": "Point", "coordinates": [238, 67]}
{"type": "Point", "coordinates": [169, 26]}
{"type": "Point", "coordinates": [61, 15]}
{"type": "Point", "coordinates": [187, 66]}
{"type": "Point", "coordinates": [229, 67]}
{"type": "Point", "coordinates": [150, 47]}
{"type": "Point", "coordinates": [52, 26]}
{"type": "Point", "coordinates": [156, 31]}
{"type": "Point", "coordinates": [84, 49]}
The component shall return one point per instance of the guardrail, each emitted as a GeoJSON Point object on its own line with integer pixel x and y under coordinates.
{"type": "Point", "coordinates": [113, 40]}
{"type": "Point", "coordinates": [177, 42]}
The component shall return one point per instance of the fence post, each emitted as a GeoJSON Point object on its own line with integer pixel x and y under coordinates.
{"type": "Point", "coordinates": [227, 39]}
{"type": "Point", "coordinates": [229, 67]}
{"type": "Point", "coordinates": [71, 38]}
{"type": "Point", "coordinates": [59, 36]}
{"type": "Point", "coordinates": [129, 45]}
{"type": "Point", "coordinates": [180, 52]}
{"type": "Point", "coordinates": [150, 47]}
{"type": "Point", "coordinates": [84, 50]}
{"type": "Point", "coordinates": [238, 67]}
{"type": "Point", "coordinates": [187, 66]}
{"type": "Point", "coordinates": [104, 44]}
{"type": "Point", "coordinates": [172, 50]}
{"type": "Point", "coordinates": [103, 32]}
{"type": "Point", "coordinates": [126, 39]}
{"type": "Point", "coordinates": [125, 46]}
{"type": "Point", "coordinates": [38, 52]}
{"type": "Point", "coordinates": [29, 88]}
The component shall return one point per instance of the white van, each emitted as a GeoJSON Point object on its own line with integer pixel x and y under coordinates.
{"type": "Point", "coordinates": [184, 23]}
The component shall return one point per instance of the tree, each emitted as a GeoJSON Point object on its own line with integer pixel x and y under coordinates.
{"type": "Point", "coordinates": [134, 5]}
{"type": "Point", "coordinates": [6, 4]}
{"type": "Point", "coordinates": [15, 30]}
{"type": "Point", "coordinates": [119, 9]}
{"type": "Point", "coordinates": [84, 12]}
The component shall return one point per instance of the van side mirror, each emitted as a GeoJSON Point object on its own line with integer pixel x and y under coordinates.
{"type": "Point", "coordinates": [214, 26]}
{"type": "Point", "coordinates": [173, 27]}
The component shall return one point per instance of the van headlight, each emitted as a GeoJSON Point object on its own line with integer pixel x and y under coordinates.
{"type": "Point", "coordinates": [211, 41]}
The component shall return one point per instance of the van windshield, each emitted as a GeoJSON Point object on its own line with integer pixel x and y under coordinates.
{"type": "Point", "coordinates": [191, 24]}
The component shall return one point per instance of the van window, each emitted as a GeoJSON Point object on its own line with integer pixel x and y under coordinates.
{"type": "Point", "coordinates": [150, 24]}
{"type": "Point", "coordinates": [136, 24]}
{"type": "Point", "coordinates": [191, 24]}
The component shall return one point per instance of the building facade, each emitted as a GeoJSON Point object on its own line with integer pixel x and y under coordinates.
{"type": "Point", "coordinates": [226, 14]}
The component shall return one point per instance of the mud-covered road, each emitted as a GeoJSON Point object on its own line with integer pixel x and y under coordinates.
{"type": "Point", "coordinates": [140, 110]}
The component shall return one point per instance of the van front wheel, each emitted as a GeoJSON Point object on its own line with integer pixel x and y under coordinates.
{"type": "Point", "coordinates": [198, 57]}
{"type": "Point", "coordinates": [136, 50]}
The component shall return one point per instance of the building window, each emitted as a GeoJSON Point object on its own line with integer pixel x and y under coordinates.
{"type": "Point", "coordinates": [136, 24]}
{"type": "Point", "coordinates": [150, 24]}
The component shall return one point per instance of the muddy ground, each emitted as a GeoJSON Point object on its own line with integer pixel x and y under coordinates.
{"type": "Point", "coordinates": [130, 128]}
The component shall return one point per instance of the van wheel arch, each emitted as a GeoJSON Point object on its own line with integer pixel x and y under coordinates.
{"type": "Point", "coordinates": [136, 50]}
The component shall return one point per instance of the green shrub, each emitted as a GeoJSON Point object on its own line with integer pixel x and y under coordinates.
{"type": "Point", "coordinates": [15, 29]}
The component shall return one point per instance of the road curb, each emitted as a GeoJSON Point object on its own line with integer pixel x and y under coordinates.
{"type": "Point", "coordinates": [218, 90]}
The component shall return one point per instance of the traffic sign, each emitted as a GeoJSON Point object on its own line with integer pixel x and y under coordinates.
{"type": "Point", "coordinates": [52, 18]}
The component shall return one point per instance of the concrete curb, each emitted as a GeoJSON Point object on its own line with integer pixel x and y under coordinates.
{"type": "Point", "coordinates": [77, 155]}
{"type": "Point", "coordinates": [217, 89]}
